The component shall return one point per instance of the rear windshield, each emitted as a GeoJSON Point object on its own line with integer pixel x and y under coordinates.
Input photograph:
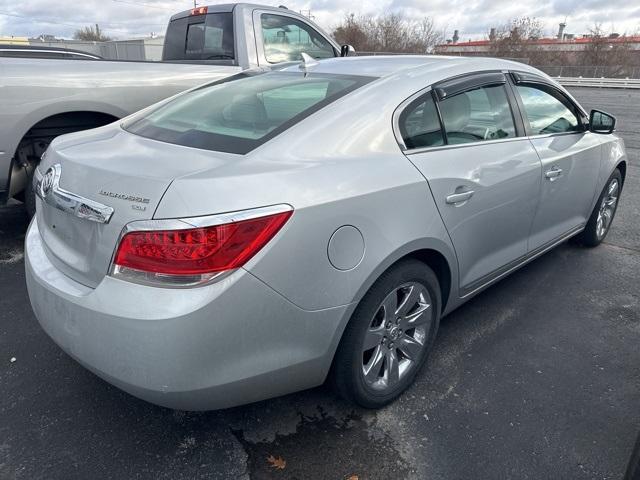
{"type": "Point", "coordinates": [200, 37]}
{"type": "Point", "coordinates": [238, 116]}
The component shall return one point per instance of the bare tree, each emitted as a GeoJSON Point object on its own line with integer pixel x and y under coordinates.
{"type": "Point", "coordinates": [352, 31]}
{"type": "Point", "coordinates": [389, 32]}
{"type": "Point", "coordinates": [606, 50]}
{"type": "Point", "coordinates": [517, 40]}
{"type": "Point", "coordinates": [91, 34]}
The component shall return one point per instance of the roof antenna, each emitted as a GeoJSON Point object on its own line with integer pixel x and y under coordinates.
{"type": "Point", "coordinates": [307, 61]}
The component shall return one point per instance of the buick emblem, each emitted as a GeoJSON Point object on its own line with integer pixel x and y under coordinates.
{"type": "Point", "coordinates": [47, 181]}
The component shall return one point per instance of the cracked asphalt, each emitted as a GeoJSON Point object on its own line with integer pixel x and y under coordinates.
{"type": "Point", "coordinates": [537, 377]}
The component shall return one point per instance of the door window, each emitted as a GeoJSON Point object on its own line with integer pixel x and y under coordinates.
{"type": "Point", "coordinates": [477, 115]}
{"type": "Point", "coordinates": [547, 113]}
{"type": "Point", "coordinates": [420, 124]}
{"type": "Point", "coordinates": [285, 38]}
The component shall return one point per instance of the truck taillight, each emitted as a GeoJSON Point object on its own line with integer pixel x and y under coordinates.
{"type": "Point", "coordinates": [193, 256]}
{"type": "Point", "coordinates": [199, 11]}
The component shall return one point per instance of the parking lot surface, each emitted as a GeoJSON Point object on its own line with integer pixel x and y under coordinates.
{"type": "Point", "coordinates": [537, 377]}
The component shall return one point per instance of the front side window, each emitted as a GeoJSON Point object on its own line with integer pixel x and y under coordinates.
{"type": "Point", "coordinates": [477, 115]}
{"type": "Point", "coordinates": [420, 124]}
{"type": "Point", "coordinates": [547, 113]}
{"type": "Point", "coordinates": [285, 38]}
{"type": "Point", "coordinates": [238, 115]}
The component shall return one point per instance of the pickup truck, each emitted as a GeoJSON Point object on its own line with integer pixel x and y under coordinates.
{"type": "Point", "coordinates": [42, 98]}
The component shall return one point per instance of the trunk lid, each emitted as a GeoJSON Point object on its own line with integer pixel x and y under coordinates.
{"type": "Point", "coordinates": [119, 170]}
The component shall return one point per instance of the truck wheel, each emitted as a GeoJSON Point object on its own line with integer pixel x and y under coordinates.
{"type": "Point", "coordinates": [389, 336]}
{"type": "Point", "coordinates": [30, 196]}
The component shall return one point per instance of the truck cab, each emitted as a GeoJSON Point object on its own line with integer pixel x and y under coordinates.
{"type": "Point", "coordinates": [244, 35]}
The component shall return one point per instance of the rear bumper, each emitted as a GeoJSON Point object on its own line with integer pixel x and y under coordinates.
{"type": "Point", "coordinates": [233, 342]}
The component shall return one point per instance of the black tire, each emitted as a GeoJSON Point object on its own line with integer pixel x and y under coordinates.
{"type": "Point", "coordinates": [589, 237]}
{"type": "Point", "coordinates": [347, 370]}
{"type": "Point", "coordinates": [30, 196]}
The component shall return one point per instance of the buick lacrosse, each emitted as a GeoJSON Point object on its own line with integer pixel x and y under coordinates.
{"type": "Point", "coordinates": [257, 236]}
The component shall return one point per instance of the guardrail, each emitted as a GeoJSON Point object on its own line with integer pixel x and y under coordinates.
{"type": "Point", "coordinates": [599, 82]}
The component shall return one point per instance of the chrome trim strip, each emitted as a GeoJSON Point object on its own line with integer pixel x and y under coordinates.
{"type": "Point", "coordinates": [463, 145]}
{"type": "Point", "coordinates": [516, 264]}
{"type": "Point", "coordinates": [49, 190]}
{"type": "Point", "coordinates": [205, 221]}
{"type": "Point", "coordinates": [559, 134]}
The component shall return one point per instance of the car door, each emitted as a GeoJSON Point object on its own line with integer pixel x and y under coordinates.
{"type": "Point", "coordinates": [570, 157]}
{"type": "Point", "coordinates": [484, 174]}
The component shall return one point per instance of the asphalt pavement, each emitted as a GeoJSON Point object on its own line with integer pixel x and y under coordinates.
{"type": "Point", "coordinates": [537, 377]}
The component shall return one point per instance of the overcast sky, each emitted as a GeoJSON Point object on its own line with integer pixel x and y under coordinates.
{"type": "Point", "coordinates": [135, 18]}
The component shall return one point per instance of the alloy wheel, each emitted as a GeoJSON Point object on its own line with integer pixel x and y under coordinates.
{"type": "Point", "coordinates": [396, 336]}
{"type": "Point", "coordinates": [607, 209]}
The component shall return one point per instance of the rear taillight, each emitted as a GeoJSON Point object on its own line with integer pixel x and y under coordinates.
{"type": "Point", "coordinates": [194, 251]}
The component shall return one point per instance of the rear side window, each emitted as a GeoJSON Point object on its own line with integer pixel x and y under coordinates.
{"type": "Point", "coordinates": [203, 37]}
{"type": "Point", "coordinates": [547, 113]}
{"type": "Point", "coordinates": [285, 38]}
{"type": "Point", "coordinates": [420, 124]}
{"type": "Point", "coordinates": [239, 115]}
{"type": "Point", "coordinates": [477, 115]}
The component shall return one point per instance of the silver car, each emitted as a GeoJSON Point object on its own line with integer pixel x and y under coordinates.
{"type": "Point", "coordinates": [258, 235]}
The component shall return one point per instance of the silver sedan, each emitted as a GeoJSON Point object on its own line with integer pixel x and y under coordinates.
{"type": "Point", "coordinates": [256, 236]}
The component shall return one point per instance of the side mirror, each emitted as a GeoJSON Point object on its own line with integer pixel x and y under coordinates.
{"type": "Point", "coordinates": [601, 122]}
{"type": "Point", "coordinates": [347, 51]}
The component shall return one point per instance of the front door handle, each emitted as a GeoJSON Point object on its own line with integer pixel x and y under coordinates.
{"type": "Point", "coordinates": [552, 174]}
{"type": "Point", "coordinates": [459, 197]}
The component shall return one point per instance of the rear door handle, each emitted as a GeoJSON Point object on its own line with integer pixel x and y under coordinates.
{"type": "Point", "coordinates": [456, 198]}
{"type": "Point", "coordinates": [552, 174]}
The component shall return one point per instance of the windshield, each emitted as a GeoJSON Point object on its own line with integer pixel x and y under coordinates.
{"type": "Point", "coordinates": [238, 116]}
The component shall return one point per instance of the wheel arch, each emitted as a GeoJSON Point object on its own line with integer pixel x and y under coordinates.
{"type": "Point", "coordinates": [622, 166]}
{"type": "Point", "coordinates": [27, 150]}
{"type": "Point", "coordinates": [436, 254]}
{"type": "Point", "coordinates": [438, 263]}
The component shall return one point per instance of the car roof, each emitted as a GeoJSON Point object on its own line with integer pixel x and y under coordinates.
{"type": "Point", "coordinates": [387, 65]}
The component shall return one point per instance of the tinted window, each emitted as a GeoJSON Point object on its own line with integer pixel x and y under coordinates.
{"type": "Point", "coordinates": [546, 112]}
{"type": "Point", "coordinates": [205, 37]}
{"type": "Point", "coordinates": [477, 115]}
{"type": "Point", "coordinates": [285, 38]}
{"type": "Point", "coordinates": [420, 125]}
{"type": "Point", "coordinates": [238, 116]}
